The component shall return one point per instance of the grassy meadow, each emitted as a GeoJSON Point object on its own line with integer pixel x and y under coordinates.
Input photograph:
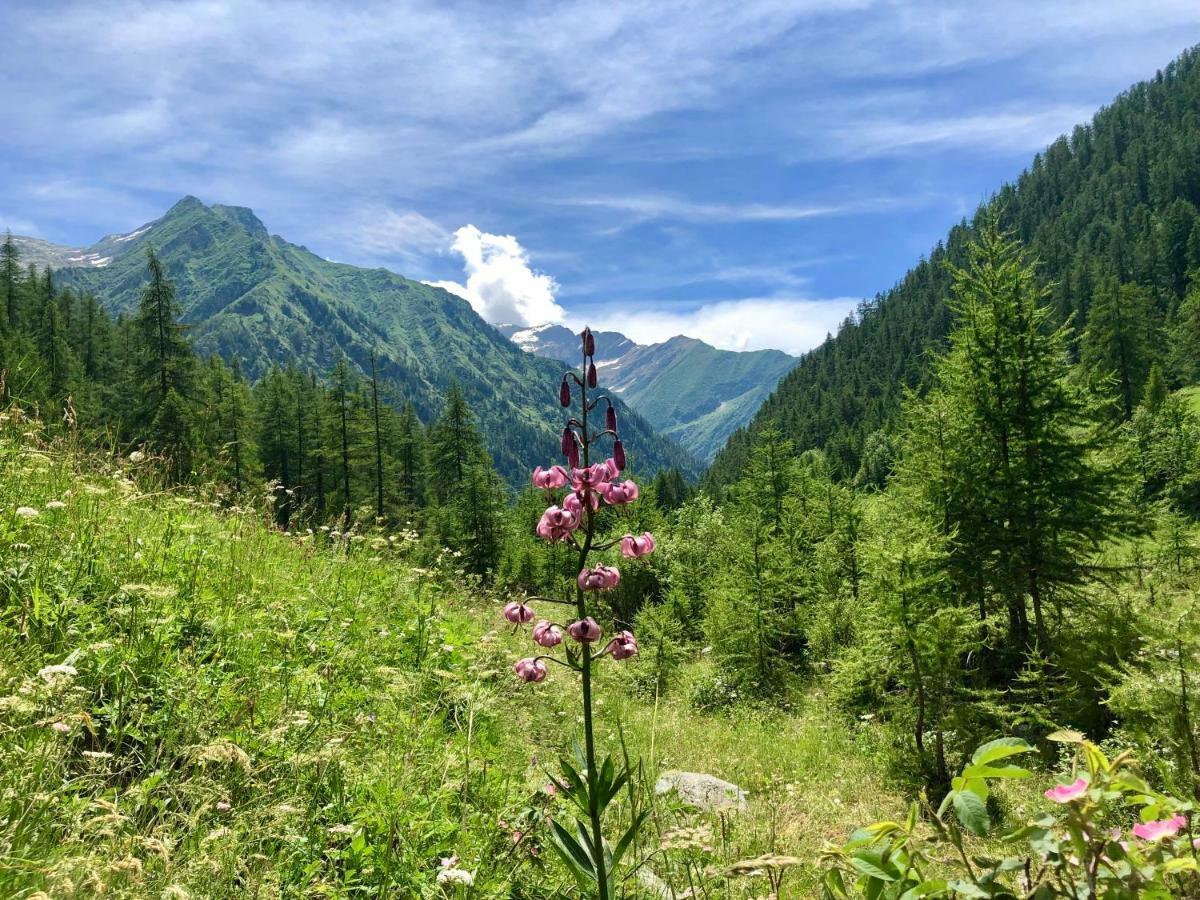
{"type": "Point", "coordinates": [195, 704]}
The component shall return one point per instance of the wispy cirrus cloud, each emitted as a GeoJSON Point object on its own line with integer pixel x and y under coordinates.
{"type": "Point", "coordinates": [739, 136]}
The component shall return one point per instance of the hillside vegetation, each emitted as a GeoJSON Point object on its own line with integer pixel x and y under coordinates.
{"type": "Point", "coordinates": [257, 301]}
{"type": "Point", "coordinates": [194, 703]}
{"type": "Point", "coordinates": [1109, 211]}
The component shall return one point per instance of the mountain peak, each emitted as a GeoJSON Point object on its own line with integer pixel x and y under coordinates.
{"type": "Point", "coordinates": [243, 216]}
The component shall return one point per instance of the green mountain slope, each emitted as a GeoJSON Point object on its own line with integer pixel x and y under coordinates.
{"type": "Point", "coordinates": [695, 392]}
{"type": "Point", "coordinates": [1118, 198]}
{"type": "Point", "coordinates": [252, 296]}
{"type": "Point", "coordinates": [692, 391]}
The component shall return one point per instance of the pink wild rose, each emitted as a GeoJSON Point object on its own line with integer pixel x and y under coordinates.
{"type": "Point", "coordinates": [620, 494]}
{"type": "Point", "coordinates": [547, 634]}
{"type": "Point", "coordinates": [600, 578]}
{"type": "Point", "coordinates": [549, 479]}
{"type": "Point", "coordinates": [585, 630]}
{"type": "Point", "coordinates": [518, 613]}
{"type": "Point", "coordinates": [531, 670]}
{"type": "Point", "coordinates": [1065, 793]}
{"type": "Point", "coordinates": [1154, 831]}
{"type": "Point", "coordinates": [637, 547]}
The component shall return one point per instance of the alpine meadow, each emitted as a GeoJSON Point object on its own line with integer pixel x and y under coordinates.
{"type": "Point", "coordinates": [683, 572]}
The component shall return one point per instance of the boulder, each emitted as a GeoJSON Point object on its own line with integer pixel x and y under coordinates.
{"type": "Point", "coordinates": [705, 792]}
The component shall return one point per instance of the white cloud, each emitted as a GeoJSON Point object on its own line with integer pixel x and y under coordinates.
{"type": "Point", "coordinates": [501, 286]}
{"type": "Point", "coordinates": [791, 324]}
{"type": "Point", "coordinates": [996, 130]}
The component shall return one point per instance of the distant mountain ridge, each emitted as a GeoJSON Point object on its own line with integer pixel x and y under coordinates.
{"type": "Point", "coordinates": [253, 296]}
{"type": "Point", "coordinates": [692, 391]}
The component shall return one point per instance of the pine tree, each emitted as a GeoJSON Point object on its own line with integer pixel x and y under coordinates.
{"type": "Point", "coordinates": [10, 280]}
{"type": "Point", "coordinates": [164, 363]}
{"type": "Point", "coordinates": [1184, 342]}
{"type": "Point", "coordinates": [453, 443]}
{"type": "Point", "coordinates": [1119, 340]}
{"type": "Point", "coordinates": [378, 438]}
{"type": "Point", "coordinates": [410, 456]}
{"type": "Point", "coordinates": [342, 387]}
{"type": "Point", "coordinates": [55, 349]}
{"type": "Point", "coordinates": [998, 453]}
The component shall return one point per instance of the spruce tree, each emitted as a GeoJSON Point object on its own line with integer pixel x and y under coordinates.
{"type": "Point", "coordinates": [1119, 340]}
{"type": "Point", "coordinates": [453, 443]}
{"type": "Point", "coordinates": [163, 359]}
{"type": "Point", "coordinates": [10, 280]}
{"type": "Point", "coordinates": [1002, 454]}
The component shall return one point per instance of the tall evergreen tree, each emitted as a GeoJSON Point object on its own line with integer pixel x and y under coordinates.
{"type": "Point", "coordinates": [1000, 454]}
{"type": "Point", "coordinates": [453, 444]}
{"type": "Point", "coordinates": [164, 359]}
{"type": "Point", "coordinates": [1119, 339]}
{"type": "Point", "coordinates": [10, 280]}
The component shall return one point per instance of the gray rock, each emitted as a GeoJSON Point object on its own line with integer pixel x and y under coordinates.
{"type": "Point", "coordinates": [705, 792]}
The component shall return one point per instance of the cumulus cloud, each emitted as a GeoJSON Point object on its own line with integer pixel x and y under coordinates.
{"type": "Point", "coordinates": [791, 324]}
{"type": "Point", "coordinates": [501, 285]}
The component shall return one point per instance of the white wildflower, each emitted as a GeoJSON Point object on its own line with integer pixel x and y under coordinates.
{"type": "Point", "coordinates": [56, 504]}
{"type": "Point", "coordinates": [451, 874]}
{"type": "Point", "coordinates": [26, 512]}
{"type": "Point", "coordinates": [136, 457]}
{"type": "Point", "coordinates": [52, 673]}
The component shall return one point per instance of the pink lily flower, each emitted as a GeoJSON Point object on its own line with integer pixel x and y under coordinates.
{"type": "Point", "coordinates": [574, 504]}
{"type": "Point", "coordinates": [531, 670]}
{"type": "Point", "coordinates": [637, 547]}
{"type": "Point", "coordinates": [518, 613]}
{"type": "Point", "coordinates": [1153, 831]}
{"type": "Point", "coordinates": [610, 465]}
{"type": "Point", "coordinates": [1065, 793]}
{"type": "Point", "coordinates": [585, 630]}
{"type": "Point", "coordinates": [619, 494]}
{"type": "Point", "coordinates": [557, 524]}
{"type": "Point", "coordinates": [600, 578]}
{"type": "Point", "coordinates": [623, 646]}
{"type": "Point", "coordinates": [549, 479]}
{"type": "Point", "coordinates": [546, 634]}
{"type": "Point", "coordinates": [590, 479]}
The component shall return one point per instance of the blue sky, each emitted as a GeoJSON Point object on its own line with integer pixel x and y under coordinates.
{"type": "Point", "coordinates": [743, 172]}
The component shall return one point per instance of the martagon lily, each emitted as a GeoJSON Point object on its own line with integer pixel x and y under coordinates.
{"type": "Point", "coordinates": [574, 520]}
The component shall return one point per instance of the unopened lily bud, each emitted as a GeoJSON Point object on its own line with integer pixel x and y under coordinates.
{"type": "Point", "coordinates": [589, 343]}
{"type": "Point", "coordinates": [564, 392]}
{"type": "Point", "coordinates": [610, 419]}
{"type": "Point", "coordinates": [591, 375]}
{"type": "Point", "coordinates": [619, 455]}
{"type": "Point", "coordinates": [573, 453]}
{"type": "Point", "coordinates": [568, 438]}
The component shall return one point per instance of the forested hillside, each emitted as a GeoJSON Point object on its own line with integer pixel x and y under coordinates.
{"type": "Point", "coordinates": [248, 296]}
{"type": "Point", "coordinates": [1110, 215]}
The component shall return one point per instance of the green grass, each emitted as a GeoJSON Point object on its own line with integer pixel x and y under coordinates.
{"type": "Point", "coordinates": [256, 714]}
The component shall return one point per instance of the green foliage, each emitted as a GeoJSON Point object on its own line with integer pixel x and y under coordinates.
{"type": "Point", "coordinates": [251, 297]}
{"type": "Point", "coordinates": [1075, 852]}
{"type": "Point", "coordinates": [1116, 199]}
